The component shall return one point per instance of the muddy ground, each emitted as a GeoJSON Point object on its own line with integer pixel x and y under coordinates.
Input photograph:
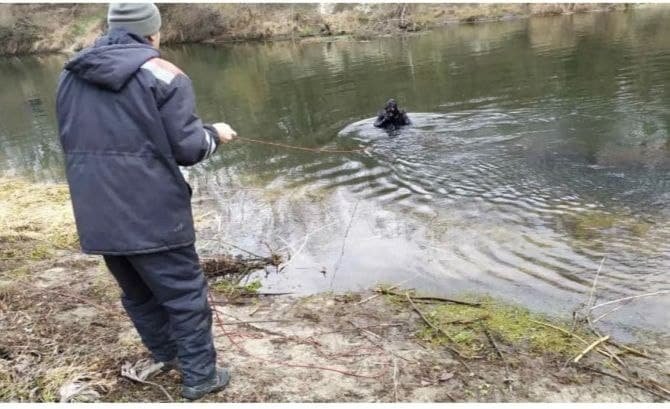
{"type": "Point", "coordinates": [62, 322]}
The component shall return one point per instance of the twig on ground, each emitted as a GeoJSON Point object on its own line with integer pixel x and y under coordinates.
{"type": "Point", "coordinates": [494, 345]}
{"type": "Point", "coordinates": [449, 396]}
{"type": "Point", "coordinates": [357, 328]}
{"type": "Point", "coordinates": [605, 347]}
{"type": "Point", "coordinates": [601, 338]}
{"type": "Point", "coordinates": [626, 381]}
{"type": "Point", "coordinates": [590, 347]}
{"type": "Point", "coordinates": [389, 292]}
{"type": "Point", "coordinates": [393, 287]}
{"type": "Point", "coordinates": [241, 249]}
{"type": "Point", "coordinates": [267, 331]}
{"type": "Point", "coordinates": [258, 307]}
{"type": "Point", "coordinates": [366, 333]}
{"type": "Point", "coordinates": [438, 329]}
{"type": "Point", "coordinates": [571, 334]}
{"type": "Point", "coordinates": [465, 322]}
{"type": "Point", "coordinates": [508, 379]}
{"type": "Point", "coordinates": [629, 349]}
{"type": "Point", "coordinates": [395, 380]}
{"type": "Point", "coordinates": [658, 385]}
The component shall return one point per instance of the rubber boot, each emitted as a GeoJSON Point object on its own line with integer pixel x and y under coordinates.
{"type": "Point", "coordinates": [216, 383]}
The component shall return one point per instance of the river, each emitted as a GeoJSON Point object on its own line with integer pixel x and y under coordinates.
{"type": "Point", "coordinates": [538, 148]}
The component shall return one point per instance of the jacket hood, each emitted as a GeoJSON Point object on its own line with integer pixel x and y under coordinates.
{"type": "Point", "coordinates": [112, 60]}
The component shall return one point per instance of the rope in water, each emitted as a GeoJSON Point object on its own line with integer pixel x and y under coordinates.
{"type": "Point", "coordinates": [301, 148]}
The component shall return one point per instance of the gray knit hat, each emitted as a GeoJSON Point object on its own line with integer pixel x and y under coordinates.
{"type": "Point", "coordinates": [140, 18]}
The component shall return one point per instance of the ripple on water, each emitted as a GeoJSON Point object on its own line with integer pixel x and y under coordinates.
{"type": "Point", "coordinates": [525, 209]}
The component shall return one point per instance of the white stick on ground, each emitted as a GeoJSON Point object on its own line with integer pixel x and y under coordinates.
{"type": "Point", "coordinates": [395, 379]}
{"type": "Point", "coordinates": [590, 347]}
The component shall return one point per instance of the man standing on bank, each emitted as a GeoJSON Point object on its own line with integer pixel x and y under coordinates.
{"type": "Point", "coordinates": [127, 122]}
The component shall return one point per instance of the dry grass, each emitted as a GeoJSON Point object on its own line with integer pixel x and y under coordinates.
{"type": "Point", "coordinates": [51, 339]}
{"type": "Point", "coordinates": [35, 221]}
{"type": "Point", "coordinates": [58, 27]}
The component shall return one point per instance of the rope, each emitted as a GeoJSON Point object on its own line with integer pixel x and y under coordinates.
{"type": "Point", "coordinates": [301, 148]}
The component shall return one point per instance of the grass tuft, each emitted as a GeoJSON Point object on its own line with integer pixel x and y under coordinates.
{"type": "Point", "coordinates": [35, 221]}
{"type": "Point", "coordinates": [511, 324]}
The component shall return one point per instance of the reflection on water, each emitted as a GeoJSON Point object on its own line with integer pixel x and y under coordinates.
{"type": "Point", "coordinates": [538, 147]}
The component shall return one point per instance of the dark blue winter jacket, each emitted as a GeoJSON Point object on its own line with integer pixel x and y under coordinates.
{"type": "Point", "coordinates": [127, 122]}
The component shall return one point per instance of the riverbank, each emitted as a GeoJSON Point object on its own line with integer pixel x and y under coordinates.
{"type": "Point", "coordinates": [65, 336]}
{"type": "Point", "coordinates": [42, 28]}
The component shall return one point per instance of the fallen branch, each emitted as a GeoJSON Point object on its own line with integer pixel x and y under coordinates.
{"type": "Point", "coordinates": [590, 347]}
{"type": "Point", "coordinates": [507, 379]}
{"type": "Point", "coordinates": [241, 249]}
{"type": "Point", "coordinates": [658, 385]}
{"type": "Point", "coordinates": [494, 345]}
{"type": "Point", "coordinates": [465, 322]}
{"type": "Point", "coordinates": [379, 293]}
{"type": "Point", "coordinates": [438, 329]}
{"type": "Point", "coordinates": [599, 335]}
{"type": "Point", "coordinates": [571, 334]}
{"type": "Point", "coordinates": [366, 333]}
{"type": "Point", "coordinates": [360, 328]}
{"type": "Point", "coordinates": [389, 292]}
{"type": "Point", "coordinates": [590, 322]}
{"type": "Point", "coordinates": [629, 349]}
{"type": "Point", "coordinates": [626, 381]}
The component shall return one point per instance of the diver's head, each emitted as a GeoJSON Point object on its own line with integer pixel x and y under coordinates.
{"type": "Point", "coordinates": [391, 106]}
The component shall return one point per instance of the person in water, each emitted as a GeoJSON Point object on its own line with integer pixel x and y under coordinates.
{"type": "Point", "coordinates": [391, 117]}
{"type": "Point", "coordinates": [127, 121]}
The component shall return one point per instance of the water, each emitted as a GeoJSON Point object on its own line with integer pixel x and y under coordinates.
{"type": "Point", "coordinates": [538, 147]}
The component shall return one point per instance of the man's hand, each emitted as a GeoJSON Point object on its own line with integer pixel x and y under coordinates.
{"type": "Point", "coordinates": [226, 133]}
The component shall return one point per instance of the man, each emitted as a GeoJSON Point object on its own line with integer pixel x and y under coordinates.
{"type": "Point", "coordinates": [391, 117]}
{"type": "Point", "coordinates": [127, 122]}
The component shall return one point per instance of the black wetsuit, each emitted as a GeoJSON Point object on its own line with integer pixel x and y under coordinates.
{"type": "Point", "coordinates": [391, 116]}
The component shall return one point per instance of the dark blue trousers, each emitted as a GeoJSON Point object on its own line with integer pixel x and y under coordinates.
{"type": "Point", "coordinates": [165, 295]}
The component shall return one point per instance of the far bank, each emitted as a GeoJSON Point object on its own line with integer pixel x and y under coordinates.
{"type": "Point", "coordinates": [44, 28]}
